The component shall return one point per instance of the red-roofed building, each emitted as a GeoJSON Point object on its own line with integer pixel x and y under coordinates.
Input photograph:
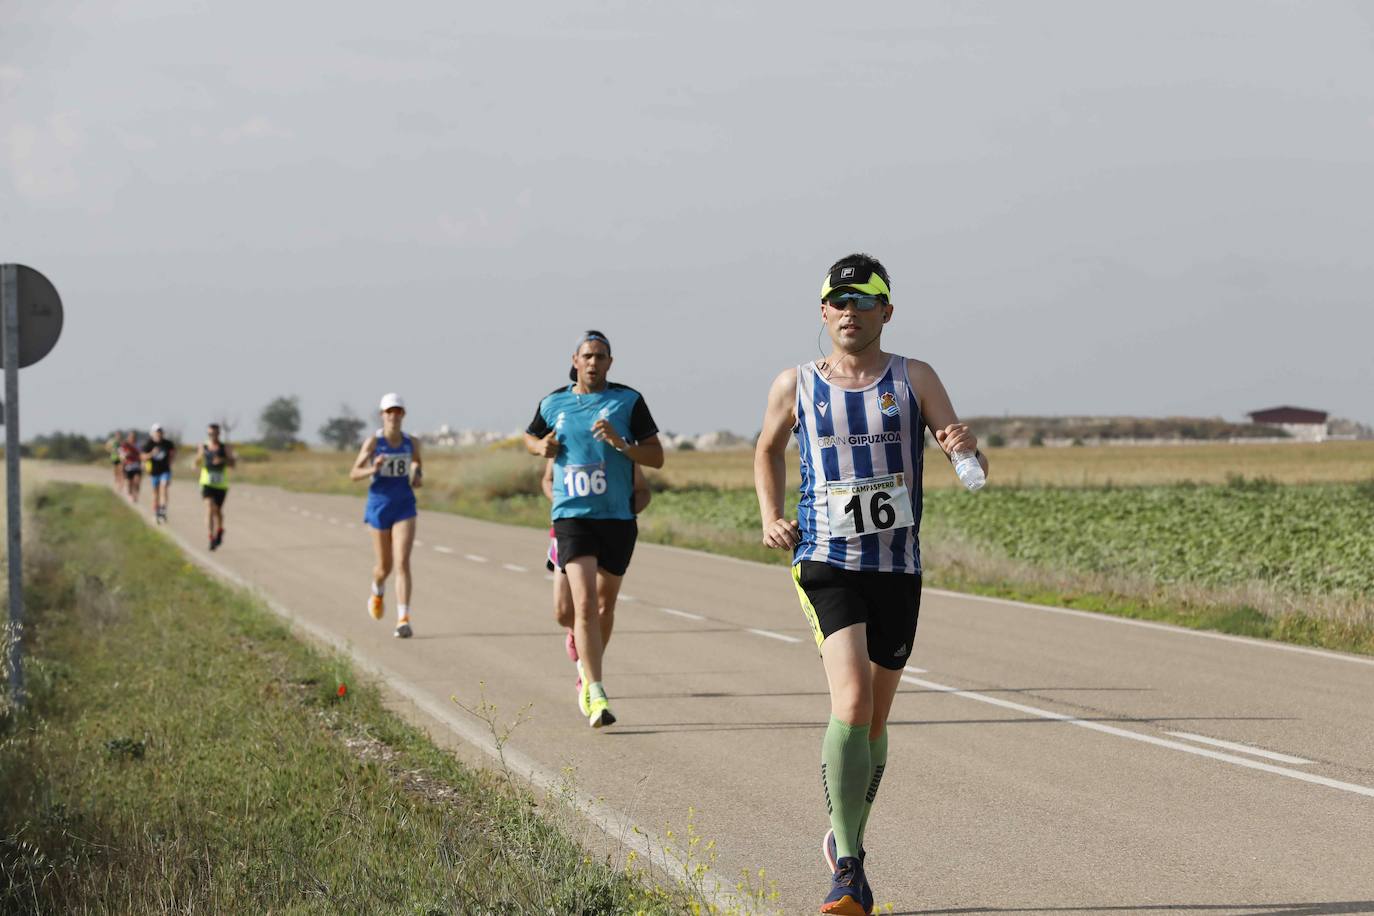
{"type": "Point", "coordinates": [1301, 423]}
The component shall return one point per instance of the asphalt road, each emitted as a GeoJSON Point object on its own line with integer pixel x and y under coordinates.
{"type": "Point", "coordinates": [1041, 760]}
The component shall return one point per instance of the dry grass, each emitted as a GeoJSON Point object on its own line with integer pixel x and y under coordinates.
{"type": "Point", "coordinates": [500, 472]}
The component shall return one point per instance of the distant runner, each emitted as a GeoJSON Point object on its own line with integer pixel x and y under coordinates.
{"type": "Point", "coordinates": [116, 462]}
{"type": "Point", "coordinates": [391, 460]}
{"type": "Point", "coordinates": [595, 432]}
{"type": "Point", "coordinates": [159, 452]}
{"type": "Point", "coordinates": [858, 416]}
{"type": "Point", "coordinates": [131, 465]}
{"type": "Point", "coordinates": [214, 458]}
{"type": "Point", "coordinates": [562, 592]}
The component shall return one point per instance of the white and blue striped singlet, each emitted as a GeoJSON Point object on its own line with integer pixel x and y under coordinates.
{"type": "Point", "coordinates": [860, 451]}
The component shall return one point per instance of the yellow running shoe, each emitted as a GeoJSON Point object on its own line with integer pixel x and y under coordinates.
{"type": "Point", "coordinates": [375, 607]}
{"type": "Point", "coordinates": [599, 713]}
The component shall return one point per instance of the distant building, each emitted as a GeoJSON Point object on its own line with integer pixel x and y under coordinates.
{"type": "Point", "coordinates": [1299, 422]}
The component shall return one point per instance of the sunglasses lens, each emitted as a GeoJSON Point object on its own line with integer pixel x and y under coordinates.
{"type": "Point", "coordinates": [860, 302]}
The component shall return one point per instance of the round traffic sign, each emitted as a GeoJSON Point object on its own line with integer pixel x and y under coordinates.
{"type": "Point", "coordinates": [40, 315]}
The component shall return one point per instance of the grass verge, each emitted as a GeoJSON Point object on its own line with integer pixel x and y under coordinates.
{"type": "Point", "coordinates": [181, 751]}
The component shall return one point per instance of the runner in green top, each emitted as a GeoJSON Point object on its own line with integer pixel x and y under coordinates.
{"type": "Point", "coordinates": [214, 458]}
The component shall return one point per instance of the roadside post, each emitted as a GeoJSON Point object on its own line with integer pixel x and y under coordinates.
{"type": "Point", "coordinates": [31, 324]}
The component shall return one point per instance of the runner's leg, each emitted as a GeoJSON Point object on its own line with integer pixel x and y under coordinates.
{"type": "Point", "coordinates": [402, 540]}
{"type": "Point", "coordinates": [607, 590]}
{"type": "Point", "coordinates": [562, 601]}
{"type": "Point", "coordinates": [381, 546]}
{"type": "Point", "coordinates": [581, 574]}
{"type": "Point", "coordinates": [846, 765]}
{"type": "Point", "coordinates": [885, 684]}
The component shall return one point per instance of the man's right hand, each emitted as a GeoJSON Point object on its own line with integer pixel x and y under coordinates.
{"type": "Point", "coordinates": [548, 446]}
{"type": "Point", "coordinates": [781, 534]}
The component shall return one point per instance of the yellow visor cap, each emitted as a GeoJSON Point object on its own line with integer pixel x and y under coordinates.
{"type": "Point", "coordinates": [850, 278]}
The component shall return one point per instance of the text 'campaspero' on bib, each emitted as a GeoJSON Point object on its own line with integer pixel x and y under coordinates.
{"type": "Point", "coordinates": [868, 506]}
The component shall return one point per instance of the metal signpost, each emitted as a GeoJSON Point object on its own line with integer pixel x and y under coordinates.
{"type": "Point", "coordinates": [31, 324]}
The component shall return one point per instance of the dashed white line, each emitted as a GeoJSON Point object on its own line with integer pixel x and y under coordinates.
{"type": "Point", "coordinates": [676, 613]}
{"type": "Point", "coordinates": [440, 548]}
{"type": "Point", "coordinates": [630, 598]}
{"type": "Point", "coordinates": [1146, 739]}
{"type": "Point", "coordinates": [912, 670]}
{"type": "Point", "coordinates": [475, 558]}
{"type": "Point", "coordinates": [513, 568]}
{"type": "Point", "coordinates": [419, 543]}
{"type": "Point", "coordinates": [1240, 748]}
{"type": "Point", "coordinates": [771, 635]}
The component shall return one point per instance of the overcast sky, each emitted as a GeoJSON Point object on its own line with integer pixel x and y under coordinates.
{"type": "Point", "coordinates": [1147, 208]}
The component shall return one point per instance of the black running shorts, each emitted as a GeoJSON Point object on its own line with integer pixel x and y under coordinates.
{"type": "Point", "coordinates": [610, 540]}
{"type": "Point", "coordinates": [215, 493]}
{"type": "Point", "coordinates": [887, 602]}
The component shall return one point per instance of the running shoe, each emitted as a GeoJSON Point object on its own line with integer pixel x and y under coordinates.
{"type": "Point", "coordinates": [213, 542]}
{"type": "Point", "coordinates": [832, 862]}
{"type": "Point", "coordinates": [599, 712]}
{"type": "Point", "coordinates": [846, 889]}
{"type": "Point", "coordinates": [375, 607]}
{"type": "Point", "coordinates": [219, 537]}
{"type": "Point", "coordinates": [584, 698]}
{"type": "Point", "coordinates": [571, 645]}
{"type": "Point", "coordinates": [403, 629]}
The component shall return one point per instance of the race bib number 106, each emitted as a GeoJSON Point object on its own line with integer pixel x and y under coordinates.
{"type": "Point", "coordinates": [869, 506]}
{"type": "Point", "coordinates": [584, 479]}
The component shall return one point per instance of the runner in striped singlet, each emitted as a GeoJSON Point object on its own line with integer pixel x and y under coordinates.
{"type": "Point", "coordinates": [859, 416]}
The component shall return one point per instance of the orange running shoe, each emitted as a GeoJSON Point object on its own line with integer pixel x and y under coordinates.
{"type": "Point", "coordinates": [375, 607]}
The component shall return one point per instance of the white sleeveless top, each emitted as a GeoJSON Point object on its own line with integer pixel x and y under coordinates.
{"type": "Point", "coordinates": [861, 455]}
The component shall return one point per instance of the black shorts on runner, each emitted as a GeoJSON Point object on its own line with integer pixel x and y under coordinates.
{"type": "Point", "coordinates": [214, 493]}
{"type": "Point", "coordinates": [887, 602]}
{"type": "Point", "coordinates": [610, 540]}
{"type": "Point", "coordinates": [131, 473]}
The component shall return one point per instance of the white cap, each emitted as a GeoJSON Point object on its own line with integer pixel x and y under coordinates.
{"type": "Point", "coordinates": [392, 400]}
{"type": "Point", "coordinates": [157, 428]}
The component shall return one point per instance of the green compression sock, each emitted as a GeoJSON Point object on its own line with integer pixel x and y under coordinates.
{"type": "Point", "coordinates": [845, 774]}
{"type": "Point", "coordinates": [877, 756]}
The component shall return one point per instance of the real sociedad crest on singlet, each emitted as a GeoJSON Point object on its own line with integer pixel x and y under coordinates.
{"type": "Point", "coordinates": [861, 454]}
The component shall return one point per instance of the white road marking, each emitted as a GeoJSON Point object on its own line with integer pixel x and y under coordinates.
{"type": "Point", "coordinates": [1240, 748]}
{"type": "Point", "coordinates": [476, 559]}
{"type": "Point", "coordinates": [440, 548]}
{"type": "Point", "coordinates": [771, 635]}
{"type": "Point", "coordinates": [630, 598]}
{"type": "Point", "coordinates": [914, 670]}
{"type": "Point", "coordinates": [676, 613]}
{"type": "Point", "coordinates": [513, 568]}
{"type": "Point", "coordinates": [419, 543]}
{"type": "Point", "coordinates": [1147, 739]}
{"type": "Point", "coordinates": [1166, 627]}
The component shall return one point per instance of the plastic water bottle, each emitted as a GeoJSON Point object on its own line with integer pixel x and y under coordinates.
{"type": "Point", "coordinates": [969, 470]}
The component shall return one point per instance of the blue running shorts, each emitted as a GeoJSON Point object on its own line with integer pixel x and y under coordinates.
{"type": "Point", "coordinates": [382, 513]}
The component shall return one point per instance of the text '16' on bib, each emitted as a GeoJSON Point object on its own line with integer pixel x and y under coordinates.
{"type": "Point", "coordinates": [869, 505]}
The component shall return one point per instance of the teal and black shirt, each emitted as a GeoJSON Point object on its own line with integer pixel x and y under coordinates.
{"type": "Point", "coordinates": [590, 478]}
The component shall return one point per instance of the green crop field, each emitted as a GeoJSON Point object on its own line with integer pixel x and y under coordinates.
{"type": "Point", "coordinates": [1308, 539]}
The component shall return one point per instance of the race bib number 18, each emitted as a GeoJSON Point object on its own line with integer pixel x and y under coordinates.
{"type": "Point", "coordinates": [394, 466]}
{"type": "Point", "coordinates": [869, 506]}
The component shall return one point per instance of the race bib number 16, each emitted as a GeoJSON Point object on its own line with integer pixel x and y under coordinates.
{"type": "Point", "coordinates": [869, 506]}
